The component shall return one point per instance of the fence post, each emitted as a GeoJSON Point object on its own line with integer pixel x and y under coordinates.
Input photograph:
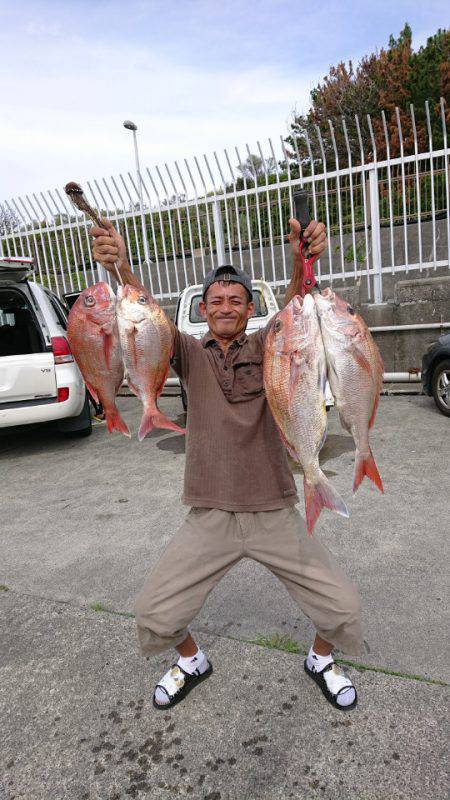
{"type": "Point", "coordinates": [218, 233]}
{"type": "Point", "coordinates": [375, 233]}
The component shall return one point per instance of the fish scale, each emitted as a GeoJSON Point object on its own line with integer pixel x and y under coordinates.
{"type": "Point", "coordinates": [355, 372]}
{"type": "Point", "coordinates": [294, 380]}
{"type": "Point", "coordinates": [146, 341]}
{"type": "Point", "coordinates": [94, 340]}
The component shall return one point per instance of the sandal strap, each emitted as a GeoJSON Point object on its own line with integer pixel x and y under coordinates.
{"type": "Point", "coordinates": [173, 681]}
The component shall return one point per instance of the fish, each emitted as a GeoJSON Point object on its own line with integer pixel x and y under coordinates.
{"type": "Point", "coordinates": [146, 341]}
{"type": "Point", "coordinates": [294, 369]}
{"type": "Point", "coordinates": [355, 373]}
{"type": "Point", "coordinates": [93, 337]}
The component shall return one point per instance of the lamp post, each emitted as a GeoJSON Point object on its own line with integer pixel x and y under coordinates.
{"type": "Point", "coordinates": [131, 126]}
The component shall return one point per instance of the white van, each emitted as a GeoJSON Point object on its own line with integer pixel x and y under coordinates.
{"type": "Point", "coordinates": [39, 379]}
{"type": "Point", "coordinates": [189, 320]}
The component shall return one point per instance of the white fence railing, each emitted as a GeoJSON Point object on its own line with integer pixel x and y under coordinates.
{"type": "Point", "coordinates": [383, 216]}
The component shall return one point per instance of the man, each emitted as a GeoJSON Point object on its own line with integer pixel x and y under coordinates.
{"type": "Point", "coordinates": [240, 488]}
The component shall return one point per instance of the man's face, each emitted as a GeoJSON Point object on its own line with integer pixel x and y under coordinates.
{"type": "Point", "coordinates": [226, 309]}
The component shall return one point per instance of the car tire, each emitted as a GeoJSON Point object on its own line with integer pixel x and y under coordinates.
{"type": "Point", "coordinates": [79, 426]}
{"type": "Point", "coordinates": [440, 386]}
{"type": "Point", "coordinates": [184, 398]}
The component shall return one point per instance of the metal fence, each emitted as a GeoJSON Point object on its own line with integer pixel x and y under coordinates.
{"type": "Point", "coordinates": [382, 216]}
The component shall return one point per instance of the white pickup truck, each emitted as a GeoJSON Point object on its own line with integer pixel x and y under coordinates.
{"type": "Point", "coordinates": [189, 320]}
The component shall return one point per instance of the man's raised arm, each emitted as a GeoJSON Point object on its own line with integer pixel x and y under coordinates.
{"type": "Point", "coordinates": [108, 249]}
{"type": "Point", "coordinates": [316, 235]}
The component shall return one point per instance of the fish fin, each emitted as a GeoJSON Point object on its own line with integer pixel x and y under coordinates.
{"type": "Point", "coordinates": [379, 386]}
{"type": "Point", "coordinates": [156, 419]}
{"type": "Point", "coordinates": [92, 392]}
{"type": "Point", "coordinates": [114, 422]}
{"type": "Point", "coordinates": [132, 386]}
{"type": "Point", "coordinates": [146, 426]}
{"type": "Point", "coordinates": [374, 411]}
{"type": "Point", "coordinates": [161, 386]}
{"type": "Point", "coordinates": [293, 454]}
{"type": "Point", "coordinates": [321, 495]}
{"type": "Point", "coordinates": [361, 359]}
{"type": "Point", "coordinates": [365, 465]}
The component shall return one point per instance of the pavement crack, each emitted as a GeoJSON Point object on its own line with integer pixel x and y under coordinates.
{"type": "Point", "coordinates": [275, 642]}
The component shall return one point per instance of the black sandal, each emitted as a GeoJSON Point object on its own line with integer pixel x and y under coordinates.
{"type": "Point", "coordinates": [319, 678]}
{"type": "Point", "coordinates": [180, 683]}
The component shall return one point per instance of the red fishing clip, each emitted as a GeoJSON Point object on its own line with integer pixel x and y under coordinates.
{"type": "Point", "coordinates": [308, 280]}
{"type": "Point", "coordinates": [302, 215]}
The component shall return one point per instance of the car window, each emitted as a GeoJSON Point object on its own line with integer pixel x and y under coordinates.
{"type": "Point", "coordinates": [59, 310]}
{"type": "Point", "coordinates": [258, 299]}
{"type": "Point", "coordinates": [18, 332]}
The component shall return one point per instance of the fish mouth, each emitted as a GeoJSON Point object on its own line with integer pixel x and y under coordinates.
{"type": "Point", "coordinates": [322, 303]}
{"type": "Point", "coordinates": [308, 304]}
{"type": "Point", "coordinates": [302, 305]}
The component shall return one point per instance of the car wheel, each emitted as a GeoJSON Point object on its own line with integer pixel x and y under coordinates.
{"type": "Point", "coordinates": [80, 426]}
{"type": "Point", "coordinates": [440, 386]}
{"type": "Point", "coordinates": [184, 398]}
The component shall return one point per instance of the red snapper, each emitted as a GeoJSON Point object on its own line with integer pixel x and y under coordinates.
{"type": "Point", "coordinates": [294, 381]}
{"type": "Point", "coordinates": [146, 341]}
{"type": "Point", "coordinates": [355, 373]}
{"type": "Point", "coordinates": [94, 340]}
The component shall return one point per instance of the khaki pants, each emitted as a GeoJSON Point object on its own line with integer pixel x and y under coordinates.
{"type": "Point", "coordinates": [211, 541]}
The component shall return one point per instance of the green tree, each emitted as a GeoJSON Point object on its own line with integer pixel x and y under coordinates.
{"type": "Point", "coordinates": [393, 77]}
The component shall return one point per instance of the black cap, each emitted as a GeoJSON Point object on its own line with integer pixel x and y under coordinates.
{"type": "Point", "coordinates": [227, 272]}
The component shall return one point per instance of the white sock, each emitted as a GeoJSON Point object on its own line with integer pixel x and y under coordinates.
{"type": "Point", "coordinates": [318, 662]}
{"type": "Point", "coordinates": [189, 664]}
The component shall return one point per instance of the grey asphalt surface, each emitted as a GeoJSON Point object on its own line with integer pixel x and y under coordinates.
{"type": "Point", "coordinates": [83, 521]}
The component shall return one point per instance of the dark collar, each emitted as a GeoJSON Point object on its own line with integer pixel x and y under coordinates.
{"type": "Point", "coordinates": [209, 340]}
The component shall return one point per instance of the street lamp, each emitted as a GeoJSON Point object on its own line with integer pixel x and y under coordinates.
{"type": "Point", "coordinates": [131, 126]}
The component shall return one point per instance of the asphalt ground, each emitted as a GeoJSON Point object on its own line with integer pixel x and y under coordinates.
{"type": "Point", "coordinates": [83, 521]}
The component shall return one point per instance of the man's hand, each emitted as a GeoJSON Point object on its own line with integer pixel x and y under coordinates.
{"type": "Point", "coordinates": [315, 235]}
{"type": "Point", "coordinates": [109, 248]}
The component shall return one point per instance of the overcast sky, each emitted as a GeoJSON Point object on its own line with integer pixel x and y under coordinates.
{"type": "Point", "coordinates": [195, 76]}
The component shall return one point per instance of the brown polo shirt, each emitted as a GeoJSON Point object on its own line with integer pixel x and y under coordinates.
{"type": "Point", "coordinates": [235, 459]}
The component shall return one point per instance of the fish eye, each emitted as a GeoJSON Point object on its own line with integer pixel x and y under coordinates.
{"type": "Point", "coordinates": [89, 300]}
{"type": "Point", "coordinates": [278, 325]}
{"type": "Point", "coordinates": [350, 310]}
{"type": "Point", "coordinates": [142, 299]}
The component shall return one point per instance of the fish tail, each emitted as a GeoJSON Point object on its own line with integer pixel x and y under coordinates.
{"type": "Point", "coordinates": [114, 422]}
{"type": "Point", "coordinates": [365, 465]}
{"type": "Point", "coordinates": [321, 495]}
{"type": "Point", "coordinates": [154, 418]}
